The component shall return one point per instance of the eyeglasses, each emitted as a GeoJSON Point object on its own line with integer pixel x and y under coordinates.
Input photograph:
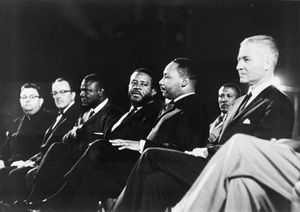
{"type": "Point", "coordinates": [61, 92]}
{"type": "Point", "coordinates": [30, 97]}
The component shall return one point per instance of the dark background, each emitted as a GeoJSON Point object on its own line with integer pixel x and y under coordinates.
{"type": "Point", "coordinates": [43, 40]}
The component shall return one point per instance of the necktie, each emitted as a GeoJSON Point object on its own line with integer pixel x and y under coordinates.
{"type": "Point", "coordinates": [57, 118]}
{"type": "Point", "coordinates": [124, 117]}
{"type": "Point", "coordinates": [245, 101]}
{"type": "Point", "coordinates": [92, 112]}
{"type": "Point", "coordinates": [167, 107]}
{"type": "Point", "coordinates": [131, 112]}
{"type": "Point", "coordinates": [220, 120]}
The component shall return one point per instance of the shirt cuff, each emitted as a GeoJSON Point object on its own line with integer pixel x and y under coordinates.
{"type": "Point", "coordinates": [142, 145]}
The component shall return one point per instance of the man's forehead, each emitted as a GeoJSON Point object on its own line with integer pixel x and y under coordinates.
{"type": "Point", "coordinates": [226, 90]}
{"type": "Point", "coordinates": [61, 84]}
{"type": "Point", "coordinates": [29, 91]}
{"type": "Point", "coordinates": [140, 76]}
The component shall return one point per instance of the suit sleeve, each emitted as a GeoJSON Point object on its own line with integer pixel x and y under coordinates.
{"type": "Point", "coordinates": [277, 121]}
{"type": "Point", "coordinates": [185, 131]}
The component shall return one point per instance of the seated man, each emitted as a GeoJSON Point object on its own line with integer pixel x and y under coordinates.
{"type": "Point", "coordinates": [90, 126]}
{"type": "Point", "coordinates": [247, 174]}
{"type": "Point", "coordinates": [25, 135]}
{"type": "Point", "coordinates": [228, 93]}
{"type": "Point", "coordinates": [163, 176]}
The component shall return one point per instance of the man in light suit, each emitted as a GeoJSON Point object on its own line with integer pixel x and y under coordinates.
{"type": "Point", "coordinates": [228, 93]}
{"type": "Point", "coordinates": [90, 126]}
{"type": "Point", "coordinates": [248, 174]}
{"type": "Point", "coordinates": [64, 98]}
{"type": "Point", "coordinates": [267, 114]}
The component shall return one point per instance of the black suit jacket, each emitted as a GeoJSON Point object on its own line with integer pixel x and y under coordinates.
{"type": "Point", "coordinates": [26, 135]}
{"type": "Point", "coordinates": [269, 115]}
{"type": "Point", "coordinates": [93, 128]}
{"type": "Point", "coordinates": [182, 127]}
{"type": "Point", "coordinates": [61, 128]}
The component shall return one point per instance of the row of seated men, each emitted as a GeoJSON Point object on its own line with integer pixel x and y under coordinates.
{"type": "Point", "coordinates": [150, 158]}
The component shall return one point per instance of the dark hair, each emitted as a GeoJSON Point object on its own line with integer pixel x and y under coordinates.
{"type": "Point", "coordinates": [234, 87]}
{"type": "Point", "coordinates": [34, 86]}
{"type": "Point", "coordinates": [148, 72]}
{"type": "Point", "coordinates": [99, 79]}
{"type": "Point", "coordinates": [188, 68]}
{"type": "Point", "coordinates": [71, 84]}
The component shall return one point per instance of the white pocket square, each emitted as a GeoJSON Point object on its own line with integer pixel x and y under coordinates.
{"type": "Point", "coordinates": [247, 121]}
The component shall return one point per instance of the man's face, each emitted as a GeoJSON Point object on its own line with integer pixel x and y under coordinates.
{"type": "Point", "coordinates": [62, 94]}
{"type": "Point", "coordinates": [170, 84]}
{"type": "Point", "coordinates": [140, 88]}
{"type": "Point", "coordinates": [89, 94]}
{"type": "Point", "coordinates": [251, 64]}
{"type": "Point", "coordinates": [30, 101]}
{"type": "Point", "coordinates": [226, 98]}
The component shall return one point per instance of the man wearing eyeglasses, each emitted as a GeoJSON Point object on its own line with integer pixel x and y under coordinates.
{"type": "Point", "coordinates": [26, 133]}
{"type": "Point", "coordinates": [98, 114]}
{"type": "Point", "coordinates": [64, 98]}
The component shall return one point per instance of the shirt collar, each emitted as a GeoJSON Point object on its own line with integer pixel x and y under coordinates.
{"type": "Point", "coordinates": [100, 106]}
{"type": "Point", "coordinates": [259, 89]}
{"type": "Point", "coordinates": [182, 96]}
{"type": "Point", "coordinates": [67, 108]}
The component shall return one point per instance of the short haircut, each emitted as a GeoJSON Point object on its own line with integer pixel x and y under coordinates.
{"type": "Point", "coordinates": [34, 86]}
{"type": "Point", "coordinates": [71, 84]}
{"type": "Point", "coordinates": [148, 72]}
{"type": "Point", "coordinates": [266, 41]}
{"type": "Point", "coordinates": [97, 78]}
{"type": "Point", "coordinates": [234, 87]}
{"type": "Point", "coordinates": [188, 68]}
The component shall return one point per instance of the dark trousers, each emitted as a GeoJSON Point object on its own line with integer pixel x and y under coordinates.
{"type": "Point", "coordinates": [59, 159]}
{"type": "Point", "coordinates": [159, 180]}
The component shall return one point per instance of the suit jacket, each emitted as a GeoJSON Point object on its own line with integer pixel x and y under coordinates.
{"type": "Point", "coordinates": [93, 128]}
{"type": "Point", "coordinates": [269, 115]}
{"type": "Point", "coordinates": [182, 127]}
{"type": "Point", "coordinates": [215, 129]}
{"type": "Point", "coordinates": [26, 135]}
{"type": "Point", "coordinates": [56, 133]}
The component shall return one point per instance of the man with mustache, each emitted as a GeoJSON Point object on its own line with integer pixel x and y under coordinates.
{"type": "Point", "coordinates": [265, 112]}
{"type": "Point", "coordinates": [228, 93]}
{"type": "Point", "coordinates": [182, 124]}
{"type": "Point", "coordinates": [103, 169]}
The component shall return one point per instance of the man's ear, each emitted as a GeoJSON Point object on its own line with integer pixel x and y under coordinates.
{"type": "Point", "coordinates": [184, 82]}
{"type": "Point", "coordinates": [268, 63]}
{"type": "Point", "coordinates": [101, 91]}
{"type": "Point", "coordinates": [73, 95]}
{"type": "Point", "coordinates": [41, 101]}
{"type": "Point", "coordinates": [153, 91]}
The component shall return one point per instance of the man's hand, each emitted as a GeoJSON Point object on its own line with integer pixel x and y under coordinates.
{"type": "Point", "coordinates": [295, 145]}
{"type": "Point", "coordinates": [198, 152]}
{"type": "Point", "coordinates": [21, 163]}
{"type": "Point", "coordinates": [126, 144]}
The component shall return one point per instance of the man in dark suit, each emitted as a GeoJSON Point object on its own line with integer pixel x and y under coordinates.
{"type": "Point", "coordinates": [267, 114]}
{"type": "Point", "coordinates": [68, 111]}
{"type": "Point", "coordinates": [64, 98]}
{"type": "Point", "coordinates": [90, 126]}
{"type": "Point", "coordinates": [103, 169]}
{"type": "Point", "coordinates": [183, 122]}
{"type": "Point", "coordinates": [25, 135]}
{"type": "Point", "coordinates": [182, 128]}
{"type": "Point", "coordinates": [227, 94]}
